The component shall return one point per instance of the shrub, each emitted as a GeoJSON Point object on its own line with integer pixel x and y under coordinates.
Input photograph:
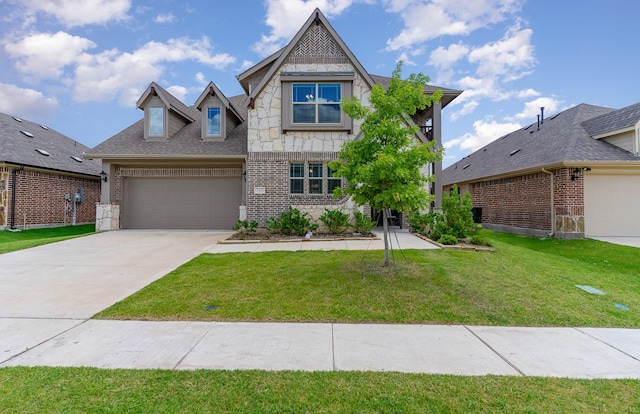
{"type": "Point", "coordinates": [479, 241]}
{"type": "Point", "coordinates": [296, 222]}
{"type": "Point", "coordinates": [273, 225]}
{"type": "Point", "coordinates": [245, 227]}
{"type": "Point", "coordinates": [335, 221]}
{"type": "Point", "coordinates": [363, 224]}
{"type": "Point", "coordinates": [457, 214]}
{"type": "Point", "coordinates": [448, 239]}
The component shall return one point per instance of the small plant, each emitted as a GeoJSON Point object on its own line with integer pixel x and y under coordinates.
{"type": "Point", "coordinates": [335, 221]}
{"type": "Point", "coordinates": [296, 222]}
{"type": "Point", "coordinates": [457, 213]}
{"type": "Point", "coordinates": [421, 223]}
{"type": "Point", "coordinates": [448, 240]}
{"type": "Point", "coordinates": [245, 227]}
{"type": "Point", "coordinates": [363, 223]}
{"type": "Point", "coordinates": [478, 240]}
{"type": "Point", "coordinates": [273, 225]}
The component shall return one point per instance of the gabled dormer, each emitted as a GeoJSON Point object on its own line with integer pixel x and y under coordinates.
{"type": "Point", "coordinates": [164, 114]}
{"type": "Point", "coordinates": [219, 117]}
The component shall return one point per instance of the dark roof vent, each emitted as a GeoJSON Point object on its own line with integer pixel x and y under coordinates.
{"type": "Point", "coordinates": [27, 133]}
{"type": "Point", "coordinates": [76, 158]}
{"type": "Point", "coordinates": [17, 119]}
{"type": "Point", "coordinates": [43, 152]}
{"type": "Point", "coordinates": [466, 166]}
{"type": "Point", "coordinates": [44, 127]}
{"type": "Point", "coordinates": [514, 152]}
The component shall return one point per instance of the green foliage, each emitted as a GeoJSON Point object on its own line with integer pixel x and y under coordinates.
{"type": "Point", "coordinates": [457, 213]}
{"type": "Point", "coordinates": [478, 240]}
{"type": "Point", "coordinates": [421, 222]}
{"type": "Point", "coordinates": [383, 169]}
{"type": "Point", "coordinates": [335, 221]}
{"type": "Point", "coordinates": [245, 227]}
{"type": "Point", "coordinates": [363, 224]}
{"type": "Point", "coordinates": [17, 240]}
{"type": "Point", "coordinates": [273, 225]}
{"type": "Point", "coordinates": [448, 240]}
{"type": "Point", "coordinates": [296, 222]}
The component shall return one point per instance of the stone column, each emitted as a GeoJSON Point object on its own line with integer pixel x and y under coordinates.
{"type": "Point", "coordinates": [436, 122]}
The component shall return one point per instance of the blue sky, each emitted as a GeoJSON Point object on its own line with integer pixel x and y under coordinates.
{"type": "Point", "coordinates": [78, 66]}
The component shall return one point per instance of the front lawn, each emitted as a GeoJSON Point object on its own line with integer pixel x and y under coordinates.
{"type": "Point", "coordinates": [17, 240]}
{"type": "Point", "coordinates": [43, 390]}
{"type": "Point", "coordinates": [526, 282]}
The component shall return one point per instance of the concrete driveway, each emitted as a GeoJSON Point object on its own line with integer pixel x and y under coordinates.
{"type": "Point", "coordinates": [77, 278]}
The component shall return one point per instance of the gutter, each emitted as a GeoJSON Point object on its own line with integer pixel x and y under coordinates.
{"type": "Point", "coordinates": [13, 195]}
{"type": "Point", "coordinates": [553, 210]}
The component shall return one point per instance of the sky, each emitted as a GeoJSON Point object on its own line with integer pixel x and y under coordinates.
{"type": "Point", "coordinates": [79, 66]}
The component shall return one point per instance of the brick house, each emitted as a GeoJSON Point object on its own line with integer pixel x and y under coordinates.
{"type": "Point", "coordinates": [574, 174]}
{"type": "Point", "coordinates": [39, 167]}
{"type": "Point", "coordinates": [248, 156]}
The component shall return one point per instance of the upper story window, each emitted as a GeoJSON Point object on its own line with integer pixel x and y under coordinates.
{"type": "Point", "coordinates": [317, 103]}
{"type": "Point", "coordinates": [214, 121]}
{"type": "Point", "coordinates": [311, 100]}
{"type": "Point", "coordinates": [156, 121]}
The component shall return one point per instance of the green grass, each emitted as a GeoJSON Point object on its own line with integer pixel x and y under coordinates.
{"type": "Point", "coordinates": [526, 282]}
{"type": "Point", "coordinates": [11, 241]}
{"type": "Point", "coordinates": [71, 390]}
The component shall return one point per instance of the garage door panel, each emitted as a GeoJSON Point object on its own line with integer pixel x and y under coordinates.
{"type": "Point", "coordinates": [182, 203]}
{"type": "Point", "coordinates": [612, 205]}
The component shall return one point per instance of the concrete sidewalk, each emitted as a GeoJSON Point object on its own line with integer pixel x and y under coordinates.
{"type": "Point", "coordinates": [432, 349]}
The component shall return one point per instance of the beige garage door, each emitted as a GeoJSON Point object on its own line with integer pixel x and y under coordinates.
{"type": "Point", "coordinates": [611, 205]}
{"type": "Point", "coordinates": [181, 203]}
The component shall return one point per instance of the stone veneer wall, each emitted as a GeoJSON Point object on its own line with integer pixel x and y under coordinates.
{"type": "Point", "coordinates": [524, 203]}
{"type": "Point", "coordinates": [4, 195]}
{"type": "Point", "coordinates": [40, 199]}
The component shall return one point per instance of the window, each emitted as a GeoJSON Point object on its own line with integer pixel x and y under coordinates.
{"type": "Point", "coordinates": [311, 100]}
{"type": "Point", "coordinates": [332, 181]}
{"type": "Point", "coordinates": [156, 121]}
{"type": "Point", "coordinates": [296, 178]}
{"type": "Point", "coordinates": [317, 103]}
{"type": "Point", "coordinates": [214, 126]}
{"type": "Point", "coordinates": [315, 178]}
{"type": "Point", "coordinates": [319, 180]}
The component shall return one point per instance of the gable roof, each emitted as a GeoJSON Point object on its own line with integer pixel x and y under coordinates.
{"type": "Point", "coordinates": [186, 143]}
{"type": "Point", "coordinates": [213, 90]}
{"type": "Point", "coordinates": [448, 95]}
{"type": "Point", "coordinates": [316, 18]}
{"type": "Point", "coordinates": [618, 120]}
{"type": "Point", "coordinates": [170, 101]}
{"type": "Point", "coordinates": [560, 141]}
{"type": "Point", "coordinates": [20, 149]}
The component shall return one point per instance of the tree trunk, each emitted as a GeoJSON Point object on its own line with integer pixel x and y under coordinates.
{"type": "Point", "coordinates": [385, 227]}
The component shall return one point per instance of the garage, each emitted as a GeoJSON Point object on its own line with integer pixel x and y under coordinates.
{"type": "Point", "coordinates": [612, 204]}
{"type": "Point", "coordinates": [181, 202]}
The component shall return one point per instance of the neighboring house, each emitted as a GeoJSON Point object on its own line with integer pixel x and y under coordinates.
{"type": "Point", "coordinates": [574, 174]}
{"type": "Point", "coordinates": [250, 156]}
{"type": "Point", "coordinates": [40, 171]}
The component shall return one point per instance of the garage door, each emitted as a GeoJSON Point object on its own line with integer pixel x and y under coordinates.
{"type": "Point", "coordinates": [611, 205]}
{"type": "Point", "coordinates": [181, 203]}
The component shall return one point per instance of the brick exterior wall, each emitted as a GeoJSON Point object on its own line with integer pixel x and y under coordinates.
{"type": "Point", "coordinates": [40, 199]}
{"type": "Point", "coordinates": [524, 203]}
{"type": "Point", "coordinates": [270, 171]}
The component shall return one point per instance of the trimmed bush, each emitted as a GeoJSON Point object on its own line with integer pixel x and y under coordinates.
{"type": "Point", "coordinates": [296, 222]}
{"type": "Point", "coordinates": [335, 221]}
{"type": "Point", "coordinates": [448, 240]}
{"type": "Point", "coordinates": [363, 223]}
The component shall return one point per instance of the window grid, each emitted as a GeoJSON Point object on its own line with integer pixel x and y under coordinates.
{"type": "Point", "coordinates": [316, 103]}
{"type": "Point", "coordinates": [318, 176]}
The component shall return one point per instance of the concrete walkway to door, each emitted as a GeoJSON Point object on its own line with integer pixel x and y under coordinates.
{"type": "Point", "coordinates": [78, 278]}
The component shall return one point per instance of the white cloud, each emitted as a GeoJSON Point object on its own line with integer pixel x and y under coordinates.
{"type": "Point", "coordinates": [445, 58]}
{"type": "Point", "coordinates": [80, 12]}
{"type": "Point", "coordinates": [286, 16]}
{"type": "Point", "coordinates": [201, 79]}
{"type": "Point", "coordinates": [484, 133]}
{"type": "Point", "coordinates": [27, 103]}
{"type": "Point", "coordinates": [179, 92]}
{"type": "Point", "coordinates": [165, 18]}
{"type": "Point", "coordinates": [44, 55]}
{"type": "Point", "coordinates": [507, 56]}
{"type": "Point", "coordinates": [112, 74]}
{"type": "Point", "coordinates": [532, 108]}
{"type": "Point", "coordinates": [428, 20]}
{"type": "Point", "coordinates": [528, 93]}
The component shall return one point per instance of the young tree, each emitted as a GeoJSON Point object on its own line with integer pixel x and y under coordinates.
{"type": "Point", "coordinates": [383, 168]}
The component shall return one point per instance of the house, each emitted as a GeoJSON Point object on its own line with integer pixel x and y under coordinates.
{"type": "Point", "coordinates": [574, 174]}
{"type": "Point", "coordinates": [44, 178]}
{"type": "Point", "coordinates": [250, 156]}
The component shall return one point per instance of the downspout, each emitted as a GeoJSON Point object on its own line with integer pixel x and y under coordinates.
{"type": "Point", "coordinates": [553, 210]}
{"type": "Point", "coordinates": [13, 196]}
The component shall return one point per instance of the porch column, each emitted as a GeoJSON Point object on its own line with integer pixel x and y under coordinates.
{"type": "Point", "coordinates": [436, 122]}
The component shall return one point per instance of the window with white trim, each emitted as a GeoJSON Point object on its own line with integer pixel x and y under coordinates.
{"type": "Point", "coordinates": [296, 178]}
{"type": "Point", "coordinates": [156, 121]}
{"type": "Point", "coordinates": [312, 178]}
{"type": "Point", "coordinates": [214, 121]}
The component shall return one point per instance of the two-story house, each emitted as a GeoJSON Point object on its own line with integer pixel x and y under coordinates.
{"type": "Point", "coordinates": [249, 156]}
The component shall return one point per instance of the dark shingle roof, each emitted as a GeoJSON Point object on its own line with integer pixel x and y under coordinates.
{"type": "Point", "coordinates": [560, 139]}
{"type": "Point", "coordinates": [616, 120]}
{"type": "Point", "coordinates": [18, 148]}
{"type": "Point", "coordinates": [130, 142]}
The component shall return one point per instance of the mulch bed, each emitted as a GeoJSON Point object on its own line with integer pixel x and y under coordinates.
{"type": "Point", "coordinates": [265, 236]}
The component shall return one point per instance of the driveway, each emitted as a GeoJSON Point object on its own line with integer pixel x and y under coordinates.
{"type": "Point", "coordinates": [77, 278]}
